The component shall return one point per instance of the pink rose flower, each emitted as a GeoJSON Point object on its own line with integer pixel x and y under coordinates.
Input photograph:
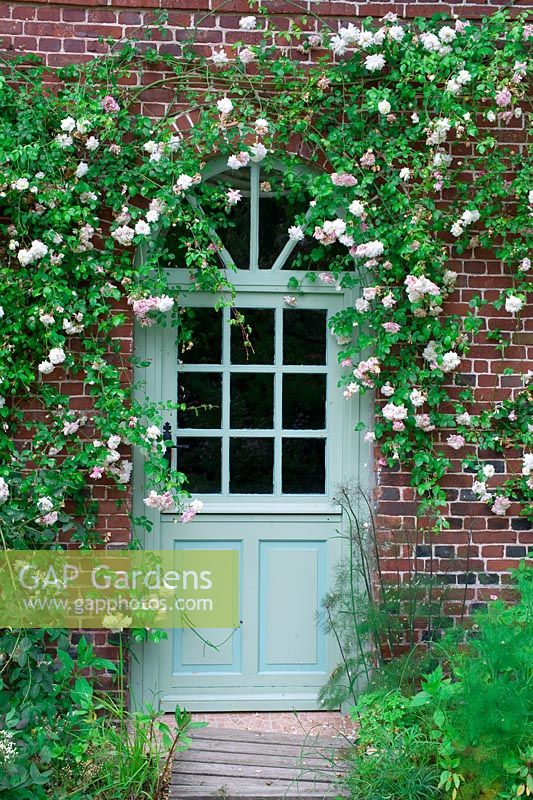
{"type": "Point", "coordinates": [109, 104]}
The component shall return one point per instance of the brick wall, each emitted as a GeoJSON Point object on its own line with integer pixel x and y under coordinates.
{"type": "Point", "coordinates": [473, 555]}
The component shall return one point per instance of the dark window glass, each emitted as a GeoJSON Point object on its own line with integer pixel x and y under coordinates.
{"type": "Point", "coordinates": [179, 242]}
{"type": "Point", "coordinates": [275, 218]}
{"type": "Point", "coordinates": [252, 400]}
{"type": "Point", "coordinates": [304, 402]}
{"type": "Point", "coordinates": [252, 341]}
{"type": "Point", "coordinates": [304, 336]}
{"type": "Point", "coordinates": [303, 466]}
{"type": "Point", "coordinates": [201, 461]}
{"type": "Point", "coordinates": [202, 330]}
{"type": "Point", "coordinates": [233, 227]}
{"type": "Point", "coordinates": [276, 214]}
{"type": "Point", "coordinates": [202, 393]}
{"type": "Point", "coordinates": [251, 466]}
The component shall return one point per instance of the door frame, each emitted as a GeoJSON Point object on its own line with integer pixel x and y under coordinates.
{"type": "Point", "coordinates": [356, 453]}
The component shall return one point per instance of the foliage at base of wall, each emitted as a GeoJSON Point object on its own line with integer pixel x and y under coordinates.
{"type": "Point", "coordinates": [60, 738]}
{"type": "Point", "coordinates": [468, 732]}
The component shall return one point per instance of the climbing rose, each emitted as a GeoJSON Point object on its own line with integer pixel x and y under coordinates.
{"type": "Point", "coordinates": [455, 441]}
{"type": "Point", "coordinates": [513, 304]}
{"type": "Point", "coordinates": [56, 355]}
{"type": "Point", "coordinates": [391, 327]}
{"type": "Point", "coordinates": [233, 196]}
{"type": "Point", "coordinates": [44, 504]}
{"type": "Point", "coordinates": [191, 511]}
{"type": "Point", "coordinates": [384, 107]}
{"type": "Point", "coordinates": [296, 233]}
{"type": "Point", "coordinates": [247, 23]}
{"type": "Point", "coordinates": [375, 63]}
{"type": "Point", "coordinates": [225, 106]}
{"type": "Point", "coordinates": [109, 104]}
{"type": "Point", "coordinates": [343, 179]}
{"type": "Point", "coordinates": [500, 505]}
{"type": "Point", "coordinates": [163, 502]}
{"type": "Point", "coordinates": [503, 98]}
{"type": "Point", "coordinates": [4, 491]}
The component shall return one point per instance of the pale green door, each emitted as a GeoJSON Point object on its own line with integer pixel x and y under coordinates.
{"type": "Point", "coordinates": [266, 457]}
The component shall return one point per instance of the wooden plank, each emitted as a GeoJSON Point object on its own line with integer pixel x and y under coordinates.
{"type": "Point", "coordinates": [252, 759]}
{"type": "Point", "coordinates": [296, 751]}
{"type": "Point", "coordinates": [269, 772]}
{"type": "Point", "coordinates": [228, 735]}
{"type": "Point", "coordinates": [247, 765]}
{"type": "Point", "coordinates": [211, 782]}
{"type": "Point", "coordinates": [257, 793]}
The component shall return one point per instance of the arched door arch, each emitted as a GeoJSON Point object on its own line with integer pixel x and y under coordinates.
{"type": "Point", "coordinates": [266, 459]}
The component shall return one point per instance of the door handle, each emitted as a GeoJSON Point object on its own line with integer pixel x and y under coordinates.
{"type": "Point", "coordinates": [167, 437]}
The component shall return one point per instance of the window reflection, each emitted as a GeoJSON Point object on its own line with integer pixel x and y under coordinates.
{"type": "Point", "coordinates": [251, 466]}
{"type": "Point", "coordinates": [202, 394]}
{"type": "Point", "coordinates": [303, 466]}
{"type": "Point", "coordinates": [304, 336]}
{"type": "Point", "coordinates": [254, 344]}
{"type": "Point", "coordinates": [201, 460]}
{"type": "Point", "coordinates": [252, 400]}
{"type": "Point", "coordinates": [304, 402]}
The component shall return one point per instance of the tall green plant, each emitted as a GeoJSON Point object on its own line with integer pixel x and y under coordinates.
{"type": "Point", "coordinates": [374, 613]}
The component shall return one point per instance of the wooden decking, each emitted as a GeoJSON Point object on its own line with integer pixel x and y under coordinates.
{"type": "Point", "coordinates": [229, 764]}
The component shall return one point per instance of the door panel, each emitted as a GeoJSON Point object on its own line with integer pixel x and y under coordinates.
{"type": "Point", "coordinates": [266, 458]}
{"type": "Point", "coordinates": [279, 657]}
{"type": "Point", "coordinates": [292, 582]}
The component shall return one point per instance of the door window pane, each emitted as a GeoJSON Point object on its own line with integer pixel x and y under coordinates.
{"type": "Point", "coordinates": [251, 466]}
{"type": "Point", "coordinates": [202, 392]}
{"type": "Point", "coordinates": [304, 336]}
{"type": "Point", "coordinates": [303, 466]}
{"type": "Point", "coordinates": [201, 460]}
{"type": "Point", "coordinates": [203, 329]}
{"type": "Point", "coordinates": [304, 402]}
{"type": "Point", "coordinates": [233, 226]}
{"type": "Point", "coordinates": [252, 400]}
{"type": "Point", "coordinates": [254, 344]}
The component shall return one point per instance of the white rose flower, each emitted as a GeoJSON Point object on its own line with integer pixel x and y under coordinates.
{"type": "Point", "coordinates": [384, 107]}
{"type": "Point", "coordinates": [142, 228]}
{"type": "Point", "coordinates": [396, 33]}
{"type": "Point", "coordinates": [21, 184]}
{"type": "Point", "coordinates": [183, 183]}
{"type": "Point", "coordinates": [113, 442]}
{"type": "Point", "coordinates": [219, 57]}
{"type": "Point", "coordinates": [447, 34]}
{"type": "Point", "coordinates": [375, 63]}
{"type": "Point", "coordinates": [247, 23]}
{"type": "Point", "coordinates": [259, 152]}
{"type": "Point", "coordinates": [4, 491]}
{"type": "Point", "coordinates": [489, 471]}
{"type": "Point", "coordinates": [44, 504]}
{"type": "Point", "coordinates": [164, 303]}
{"type": "Point", "coordinates": [82, 169]}
{"type": "Point", "coordinates": [63, 140]}
{"type": "Point", "coordinates": [45, 367]}
{"type": "Point", "coordinates": [225, 106]}
{"type": "Point", "coordinates": [56, 355]}
{"type": "Point", "coordinates": [356, 208]}
{"type": "Point", "coordinates": [513, 304]}
{"type": "Point", "coordinates": [68, 124]}
{"type": "Point", "coordinates": [296, 233]}
{"type": "Point", "coordinates": [92, 143]}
